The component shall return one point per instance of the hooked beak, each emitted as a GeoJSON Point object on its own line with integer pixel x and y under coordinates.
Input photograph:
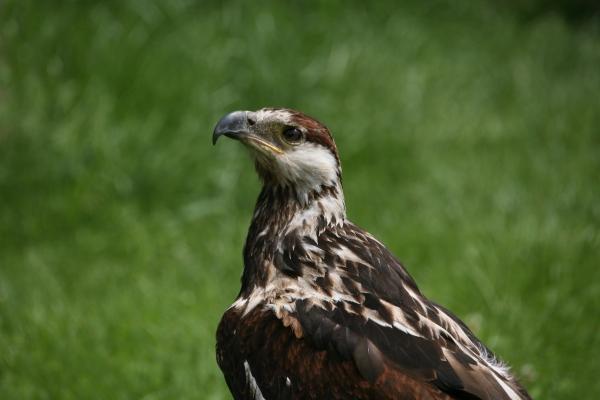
{"type": "Point", "coordinates": [233, 125]}
{"type": "Point", "coordinates": [239, 125]}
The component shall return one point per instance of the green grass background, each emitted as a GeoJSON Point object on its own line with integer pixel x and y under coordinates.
{"type": "Point", "coordinates": [469, 136]}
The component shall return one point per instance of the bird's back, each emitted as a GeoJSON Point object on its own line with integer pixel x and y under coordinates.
{"type": "Point", "coordinates": [341, 318]}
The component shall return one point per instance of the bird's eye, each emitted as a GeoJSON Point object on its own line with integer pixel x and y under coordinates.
{"type": "Point", "coordinates": [292, 135]}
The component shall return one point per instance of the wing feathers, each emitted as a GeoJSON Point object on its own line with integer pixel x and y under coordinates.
{"type": "Point", "coordinates": [389, 325]}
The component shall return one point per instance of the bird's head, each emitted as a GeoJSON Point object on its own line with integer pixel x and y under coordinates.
{"type": "Point", "coordinates": [289, 147]}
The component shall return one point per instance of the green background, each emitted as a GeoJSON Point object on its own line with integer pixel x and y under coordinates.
{"type": "Point", "coordinates": [470, 140]}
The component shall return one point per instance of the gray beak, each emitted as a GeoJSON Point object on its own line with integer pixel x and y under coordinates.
{"type": "Point", "coordinates": [234, 125]}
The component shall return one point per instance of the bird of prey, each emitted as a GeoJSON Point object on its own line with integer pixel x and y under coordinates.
{"type": "Point", "coordinates": [325, 310]}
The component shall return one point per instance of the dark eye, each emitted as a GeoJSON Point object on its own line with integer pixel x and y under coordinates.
{"type": "Point", "coordinates": [292, 135]}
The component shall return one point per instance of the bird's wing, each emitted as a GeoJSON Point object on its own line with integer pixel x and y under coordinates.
{"type": "Point", "coordinates": [366, 308]}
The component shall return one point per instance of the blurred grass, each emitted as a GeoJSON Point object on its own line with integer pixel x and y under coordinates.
{"type": "Point", "coordinates": [470, 143]}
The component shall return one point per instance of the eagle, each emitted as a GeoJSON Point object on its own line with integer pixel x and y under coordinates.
{"type": "Point", "coordinates": [325, 310]}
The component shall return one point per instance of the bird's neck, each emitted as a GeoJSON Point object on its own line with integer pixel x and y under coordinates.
{"type": "Point", "coordinates": [282, 209]}
{"type": "Point", "coordinates": [285, 215]}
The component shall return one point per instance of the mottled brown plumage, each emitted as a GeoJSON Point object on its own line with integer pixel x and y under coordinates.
{"type": "Point", "coordinates": [277, 357]}
{"type": "Point", "coordinates": [325, 311]}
